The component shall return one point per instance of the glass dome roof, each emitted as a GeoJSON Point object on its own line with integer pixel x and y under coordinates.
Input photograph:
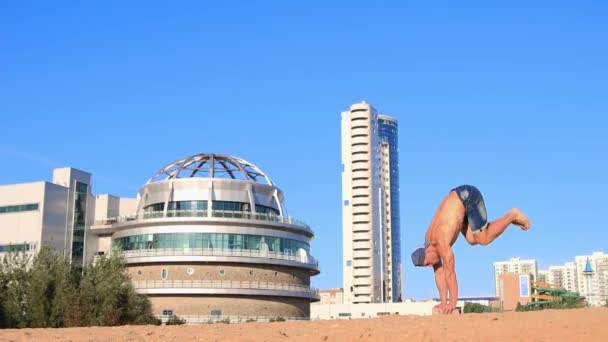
{"type": "Point", "coordinates": [209, 165]}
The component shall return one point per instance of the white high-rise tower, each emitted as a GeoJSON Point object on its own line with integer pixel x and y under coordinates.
{"type": "Point", "coordinates": [370, 214]}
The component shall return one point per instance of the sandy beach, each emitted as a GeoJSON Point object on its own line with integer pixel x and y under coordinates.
{"type": "Point", "coordinates": [550, 325]}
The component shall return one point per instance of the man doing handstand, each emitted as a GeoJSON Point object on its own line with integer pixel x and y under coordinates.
{"type": "Point", "coordinates": [461, 211]}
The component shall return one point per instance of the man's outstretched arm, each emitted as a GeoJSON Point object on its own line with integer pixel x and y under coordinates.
{"type": "Point", "coordinates": [442, 285]}
{"type": "Point", "coordinates": [449, 267]}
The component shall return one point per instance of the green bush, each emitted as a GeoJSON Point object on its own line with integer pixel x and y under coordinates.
{"type": "Point", "coordinates": [48, 291]}
{"type": "Point", "coordinates": [277, 319]}
{"type": "Point", "coordinates": [15, 279]}
{"type": "Point", "coordinates": [558, 304]}
{"type": "Point", "coordinates": [176, 320]}
{"type": "Point", "coordinates": [566, 304]}
{"type": "Point", "coordinates": [475, 308]}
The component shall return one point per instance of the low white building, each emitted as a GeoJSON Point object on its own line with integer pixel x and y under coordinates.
{"type": "Point", "coordinates": [58, 213]}
{"type": "Point", "coordinates": [331, 296]}
{"type": "Point", "coordinates": [372, 310]}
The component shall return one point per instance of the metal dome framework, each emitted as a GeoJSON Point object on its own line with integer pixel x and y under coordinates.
{"type": "Point", "coordinates": [209, 165]}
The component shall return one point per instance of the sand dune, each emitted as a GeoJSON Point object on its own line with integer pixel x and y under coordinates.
{"type": "Point", "coordinates": [550, 325]}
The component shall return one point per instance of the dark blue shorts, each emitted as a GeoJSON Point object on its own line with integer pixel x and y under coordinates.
{"type": "Point", "coordinates": [474, 206]}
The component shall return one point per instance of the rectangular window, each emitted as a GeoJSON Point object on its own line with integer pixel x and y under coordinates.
{"type": "Point", "coordinates": [216, 312]}
{"type": "Point", "coordinates": [79, 222]}
{"type": "Point", "coordinates": [15, 248]}
{"type": "Point", "coordinates": [524, 285]}
{"type": "Point", "coordinates": [18, 208]}
{"type": "Point", "coordinates": [349, 263]}
{"type": "Point", "coordinates": [344, 314]}
{"type": "Point", "coordinates": [346, 203]}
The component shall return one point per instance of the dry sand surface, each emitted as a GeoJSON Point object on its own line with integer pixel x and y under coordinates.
{"type": "Point", "coordinates": [550, 325]}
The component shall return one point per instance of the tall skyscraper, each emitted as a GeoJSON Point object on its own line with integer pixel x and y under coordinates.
{"type": "Point", "coordinates": [515, 265]}
{"type": "Point", "coordinates": [389, 150]}
{"type": "Point", "coordinates": [370, 214]}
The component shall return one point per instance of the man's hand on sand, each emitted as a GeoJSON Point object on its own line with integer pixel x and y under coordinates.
{"type": "Point", "coordinates": [448, 308]}
{"type": "Point", "coordinates": [444, 309]}
{"type": "Point", "coordinates": [439, 307]}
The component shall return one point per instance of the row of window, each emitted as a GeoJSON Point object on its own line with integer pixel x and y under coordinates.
{"type": "Point", "coordinates": [348, 314]}
{"type": "Point", "coordinates": [164, 273]}
{"type": "Point", "coordinates": [216, 312]}
{"type": "Point", "coordinates": [18, 208]}
{"type": "Point", "coordinates": [215, 205]}
{"type": "Point", "coordinates": [80, 214]}
{"type": "Point", "coordinates": [211, 240]}
{"type": "Point", "coordinates": [15, 248]}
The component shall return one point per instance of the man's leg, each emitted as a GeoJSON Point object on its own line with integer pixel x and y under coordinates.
{"type": "Point", "coordinates": [496, 228]}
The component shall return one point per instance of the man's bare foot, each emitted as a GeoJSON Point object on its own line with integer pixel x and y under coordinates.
{"type": "Point", "coordinates": [520, 219]}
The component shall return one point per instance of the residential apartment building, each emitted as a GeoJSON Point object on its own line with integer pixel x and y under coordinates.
{"type": "Point", "coordinates": [514, 265]}
{"type": "Point", "coordinates": [592, 279]}
{"type": "Point", "coordinates": [587, 275]}
{"type": "Point", "coordinates": [564, 276]}
{"type": "Point", "coordinates": [542, 276]}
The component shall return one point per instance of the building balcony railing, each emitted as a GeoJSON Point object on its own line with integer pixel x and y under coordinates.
{"type": "Point", "coordinates": [164, 252]}
{"type": "Point", "coordinates": [245, 215]}
{"type": "Point", "coordinates": [224, 284]}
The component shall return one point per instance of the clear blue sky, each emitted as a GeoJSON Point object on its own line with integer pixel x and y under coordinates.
{"type": "Point", "coordinates": [512, 98]}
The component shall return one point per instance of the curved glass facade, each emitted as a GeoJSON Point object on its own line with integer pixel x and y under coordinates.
{"type": "Point", "coordinates": [210, 240]}
{"type": "Point", "coordinates": [216, 205]}
{"type": "Point", "coordinates": [388, 134]}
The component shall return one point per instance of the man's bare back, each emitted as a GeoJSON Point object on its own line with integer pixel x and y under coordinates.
{"type": "Point", "coordinates": [461, 211]}
{"type": "Point", "coordinates": [448, 220]}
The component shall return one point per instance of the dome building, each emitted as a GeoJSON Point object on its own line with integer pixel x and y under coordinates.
{"type": "Point", "coordinates": [211, 239]}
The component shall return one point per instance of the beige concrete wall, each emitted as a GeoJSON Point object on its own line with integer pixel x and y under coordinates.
{"type": "Point", "coordinates": [26, 226]}
{"type": "Point", "coordinates": [232, 305]}
{"type": "Point", "coordinates": [511, 285]}
{"type": "Point", "coordinates": [104, 244]}
{"type": "Point", "coordinates": [108, 206]}
{"type": "Point", "coordinates": [66, 176]}
{"type": "Point", "coordinates": [232, 272]}
{"type": "Point", "coordinates": [331, 296]}
{"type": "Point", "coordinates": [127, 206]}
{"type": "Point", "coordinates": [103, 206]}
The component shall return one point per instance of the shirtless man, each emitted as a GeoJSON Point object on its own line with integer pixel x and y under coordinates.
{"type": "Point", "coordinates": [462, 210]}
